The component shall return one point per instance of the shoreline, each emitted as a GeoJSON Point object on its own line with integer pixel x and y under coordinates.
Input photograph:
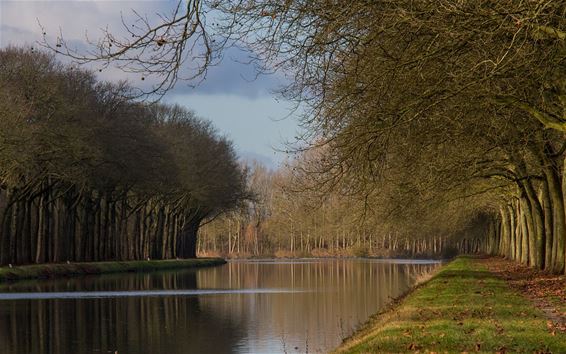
{"type": "Point", "coordinates": [463, 307]}
{"type": "Point", "coordinates": [315, 259]}
{"type": "Point", "coordinates": [338, 256]}
{"type": "Point", "coordinates": [61, 270]}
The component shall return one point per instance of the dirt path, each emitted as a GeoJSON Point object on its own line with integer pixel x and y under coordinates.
{"type": "Point", "coordinates": [546, 291]}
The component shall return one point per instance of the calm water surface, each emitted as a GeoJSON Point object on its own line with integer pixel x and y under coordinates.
{"type": "Point", "coordinates": [241, 307]}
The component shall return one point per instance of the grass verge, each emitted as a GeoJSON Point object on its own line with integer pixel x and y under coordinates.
{"type": "Point", "coordinates": [463, 308]}
{"type": "Point", "coordinates": [73, 269]}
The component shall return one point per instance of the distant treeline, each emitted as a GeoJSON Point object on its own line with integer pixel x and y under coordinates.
{"type": "Point", "coordinates": [88, 174]}
{"type": "Point", "coordinates": [283, 220]}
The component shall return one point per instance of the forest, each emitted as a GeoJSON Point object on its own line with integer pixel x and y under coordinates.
{"type": "Point", "coordinates": [435, 118]}
{"type": "Point", "coordinates": [284, 220]}
{"type": "Point", "coordinates": [87, 174]}
{"type": "Point", "coordinates": [430, 127]}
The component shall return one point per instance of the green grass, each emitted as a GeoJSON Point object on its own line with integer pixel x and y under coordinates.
{"type": "Point", "coordinates": [464, 308]}
{"type": "Point", "coordinates": [72, 269]}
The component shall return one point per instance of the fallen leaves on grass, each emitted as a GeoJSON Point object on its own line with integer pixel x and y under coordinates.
{"type": "Point", "coordinates": [546, 291]}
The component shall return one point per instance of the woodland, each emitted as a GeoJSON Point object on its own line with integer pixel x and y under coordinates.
{"type": "Point", "coordinates": [433, 124]}
{"type": "Point", "coordinates": [430, 127]}
{"type": "Point", "coordinates": [87, 174]}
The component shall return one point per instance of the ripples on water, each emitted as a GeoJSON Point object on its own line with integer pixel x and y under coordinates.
{"type": "Point", "coordinates": [260, 306]}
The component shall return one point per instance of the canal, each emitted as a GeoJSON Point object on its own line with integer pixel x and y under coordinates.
{"type": "Point", "coordinates": [251, 306]}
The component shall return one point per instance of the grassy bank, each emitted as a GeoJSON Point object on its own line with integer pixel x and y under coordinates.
{"type": "Point", "coordinates": [464, 308]}
{"type": "Point", "coordinates": [73, 269]}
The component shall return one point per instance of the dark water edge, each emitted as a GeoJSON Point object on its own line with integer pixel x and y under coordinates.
{"type": "Point", "coordinates": [260, 306]}
{"type": "Point", "coordinates": [40, 271]}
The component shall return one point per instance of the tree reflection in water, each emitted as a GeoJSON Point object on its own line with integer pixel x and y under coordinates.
{"type": "Point", "coordinates": [332, 297]}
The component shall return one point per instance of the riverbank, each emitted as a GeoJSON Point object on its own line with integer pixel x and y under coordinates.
{"type": "Point", "coordinates": [34, 271]}
{"type": "Point", "coordinates": [464, 308]}
{"type": "Point", "coordinates": [353, 252]}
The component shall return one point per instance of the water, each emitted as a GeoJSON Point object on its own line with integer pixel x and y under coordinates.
{"type": "Point", "coordinates": [241, 307]}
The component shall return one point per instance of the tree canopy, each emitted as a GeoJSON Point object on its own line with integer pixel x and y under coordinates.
{"type": "Point", "coordinates": [86, 173]}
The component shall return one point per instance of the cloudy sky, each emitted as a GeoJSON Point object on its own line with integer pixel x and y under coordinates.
{"type": "Point", "coordinates": [239, 104]}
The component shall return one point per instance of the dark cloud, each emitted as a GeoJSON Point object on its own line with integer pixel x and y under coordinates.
{"type": "Point", "coordinates": [237, 100]}
{"type": "Point", "coordinates": [19, 26]}
{"type": "Point", "coordinates": [234, 75]}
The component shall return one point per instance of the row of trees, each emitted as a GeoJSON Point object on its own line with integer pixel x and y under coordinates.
{"type": "Point", "coordinates": [439, 117]}
{"type": "Point", "coordinates": [87, 174]}
{"type": "Point", "coordinates": [437, 113]}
